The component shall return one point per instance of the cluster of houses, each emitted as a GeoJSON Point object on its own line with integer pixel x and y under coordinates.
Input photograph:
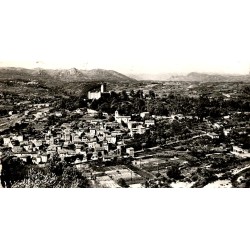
{"type": "Point", "coordinates": [95, 139]}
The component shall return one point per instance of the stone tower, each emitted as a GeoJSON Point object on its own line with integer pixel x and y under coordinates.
{"type": "Point", "coordinates": [103, 87]}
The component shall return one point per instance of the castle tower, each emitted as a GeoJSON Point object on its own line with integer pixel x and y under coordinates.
{"type": "Point", "coordinates": [103, 87]}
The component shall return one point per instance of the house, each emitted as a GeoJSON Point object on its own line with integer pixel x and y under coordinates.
{"type": "Point", "coordinates": [94, 157]}
{"type": "Point", "coordinates": [64, 152]}
{"type": "Point", "coordinates": [29, 118]}
{"type": "Point", "coordinates": [10, 144]}
{"type": "Point", "coordinates": [17, 149]}
{"type": "Point", "coordinates": [78, 149]}
{"type": "Point", "coordinates": [37, 159]}
{"type": "Point", "coordinates": [37, 143]}
{"type": "Point", "coordinates": [100, 137]}
{"type": "Point", "coordinates": [52, 149]}
{"type": "Point", "coordinates": [119, 147]}
{"type": "Point", "coordinates": [66, 126]}
{"type": "Point", "coordinates": [67, 136]}
{"type": "Point", "coordinates": [58, 135]}
{"type": "Point", "coordinates": [116, 133]}
{"type": "Point", "coordinates": [40, 159]}
{"type": "Point", "coordinates": [130, 151]}
{"type": "Point", "coordinates": [28, 146]}
{"type": "Point", "coordinates": [92, 143]}
{"type": "Point", "coordinates": [120, 119]}
{"type": "Point", "coordinates": [97, 122]}
{"type": "Point", "coordinates": [58, 113]}
{"type": "Point", "coordinates": [111, 125]}
{"type": "Point", "coordinates": [79, 163]}
{"type": "Point", "coordinates": [41, 105]}
{"type": "Point", "coordinates": [226, 131]}
{"type": "Point", "coordinates": [110, 139]}
{"type": "Point", "coordinates": [177, 117]}
{"type": "Point", "coordinates": [144, 115]}
{"type": "Point", "coordinates": [133, 124]}
{"type": "Point", "coordinates": [85, 139]}
{"type": "Point", "coordinates": [38, 115]}
{"type": "Point", "coordinates": [78, 111]}
{"type": "Point", "coordinates": [239, 150]}
{"type": "Point", "coordinates": [213, 135]}
{"type": "Point", "coordinates": [23, 155]}
{"type": "Point", "coordinates": [107, 158]}
{"type": "Point", "coordinates": [49, 139]}
{"type": "Point", "coordinates": [76, 139]}
{"type": "Point", "coordinates": [149, 123]}
{"type": "Point", "coordinates": [92, 132]}
{"type": "Point", "coordinates": [136, 128]}
{"type": "Point", "coordinates": [92, 112]}
{"type": "Point", "coordinates": [6, 141]}
{"type": "Point", "coordinates": [100, 150]}
{"type": "Point", "coordinates": [105, 145]}
{"type": "Point", "coordinates": [216, 125]}
{"type": "Point", "coordinates": [18, 138]}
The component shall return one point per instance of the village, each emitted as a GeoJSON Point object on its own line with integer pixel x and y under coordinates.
{"type": "Point", "coordinates": [99, 145]}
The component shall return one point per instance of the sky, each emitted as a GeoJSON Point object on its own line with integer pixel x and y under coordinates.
{"type": "Point", "coordinates": [130, 36]}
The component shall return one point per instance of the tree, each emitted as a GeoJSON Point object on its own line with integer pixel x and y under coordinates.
{"type": "Point", "coordinates": [139, 105]}
{"type": "Point", "coordinates": [99, 115]}
{"type": "Point", "coordinates": [174, 172]}
{"type": "Point", "coordinates": [124, 95]}
{"type": "Point", "coordinates": [13, 170]}
{"type": "Point", "coordinates": [139, 94]}
{"type": "Point", "coordinates": [52, 119]}
{"type": "Point", "coordinates": [70, 177]}
{"type": "Point", "coordinates": [121, 182]}
{"type": "Point", "coordinates": [124, 124]}
{"type": "Point", "coordinates": [111, 118]}
{"type": "Point", "coordinates": [37, 179]}
{"type": "Point", "coordinates": [132, 93]}
{"type": "Point", "coordinates": [202, 107]}
{"type": "Point", "coordinates": [151, 94]}
{"type": "Point", "coordinates": [176, 127]}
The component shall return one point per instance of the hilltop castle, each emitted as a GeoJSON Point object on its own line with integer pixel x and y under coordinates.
{"type": "Point", "coordinates": [97, 94]}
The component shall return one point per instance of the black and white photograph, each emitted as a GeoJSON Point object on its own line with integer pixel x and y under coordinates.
{"type": "Point", "coordinates": [124, 94]}
{"type": "Point", "coordinates": [124, 124]}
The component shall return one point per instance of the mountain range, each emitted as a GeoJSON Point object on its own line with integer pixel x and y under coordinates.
{"type": "Point", "coordinates": [63, 75]}
{"type": "Point", "coordinates": [192, 77]}
{"type": "Point", "coordinates": [96, 75]}
{"type": "Point", "coordinates": [202, 77]}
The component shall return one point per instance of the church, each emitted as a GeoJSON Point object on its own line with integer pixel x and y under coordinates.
{"type": "Point", "coordinates": [120, 118]}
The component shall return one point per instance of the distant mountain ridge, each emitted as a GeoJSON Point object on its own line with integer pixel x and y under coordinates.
{"type": "Point", "coordinates": [204, 77]}
{"type": "Point", "coordinates": [80, 75]}
{"type": "Point", "coordinates": [63, 75]}
{"type": "Point", "coordinates": [193, 77]}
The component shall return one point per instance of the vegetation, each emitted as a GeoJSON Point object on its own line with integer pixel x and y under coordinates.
{"type": "Point", "coordinates": [15, 173]}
